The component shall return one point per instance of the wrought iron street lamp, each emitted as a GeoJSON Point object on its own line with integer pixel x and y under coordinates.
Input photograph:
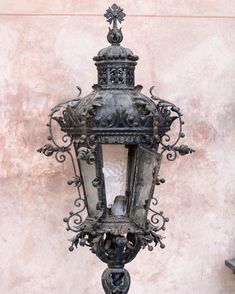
{"type": "Point", "coordinates": [115, 116]}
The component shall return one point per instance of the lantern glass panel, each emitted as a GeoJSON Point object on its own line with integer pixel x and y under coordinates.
{"type": "Point", "coordinates": [143, 170]}
{"type": "Point", "coordinates": [115, 170]}
{"type": "Point", "coordinates": [93, 182]}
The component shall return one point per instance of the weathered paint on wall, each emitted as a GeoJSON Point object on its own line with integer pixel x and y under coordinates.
{"type": "Point", "coordinates": [187, 49]}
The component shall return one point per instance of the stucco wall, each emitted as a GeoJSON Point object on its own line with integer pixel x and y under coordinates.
{"type": "Point", "coordinates": [186, 49]}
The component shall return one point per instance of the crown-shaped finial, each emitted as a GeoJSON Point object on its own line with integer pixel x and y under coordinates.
{"type": "Point", "coordinates": [114, 14]}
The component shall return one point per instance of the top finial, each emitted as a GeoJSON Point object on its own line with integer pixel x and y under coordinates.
{"type": "Point", "coordinates": [113, 14]}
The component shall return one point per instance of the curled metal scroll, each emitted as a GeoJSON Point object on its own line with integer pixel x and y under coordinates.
{"type": "Point", "coordinates": [169, 113]}
{"type": "Point", "coordinates": [61, 151]}
{"type": "Point", "coordinates": [74, 220]}
{"type": "Point", "coordinates": [66, 139]}
{"type": "Point", "coordinates": [157, 219]}
{"type": "Point", "coordinates": [89, 141]}
{"type": "Point", "coordinates": [56, 147]}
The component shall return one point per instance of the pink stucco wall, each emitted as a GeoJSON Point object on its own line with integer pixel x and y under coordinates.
{"type": "Point", "coordinates": [187, 49]}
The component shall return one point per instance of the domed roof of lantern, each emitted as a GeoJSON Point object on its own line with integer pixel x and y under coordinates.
{"type": "Point", "coordinates": [116, 111]}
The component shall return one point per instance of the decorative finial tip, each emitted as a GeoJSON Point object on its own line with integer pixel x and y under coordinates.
{"type": "Point", "coordinates": [113, 14]}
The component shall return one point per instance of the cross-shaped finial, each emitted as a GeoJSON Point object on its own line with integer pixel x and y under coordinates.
{"type": "Point", "coordinates": [114, 13]}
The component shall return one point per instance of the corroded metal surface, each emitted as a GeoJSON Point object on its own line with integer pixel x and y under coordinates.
{"type": "Point", "coordinates": [116, 112]}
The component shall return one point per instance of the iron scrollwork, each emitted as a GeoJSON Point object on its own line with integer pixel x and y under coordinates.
{"type": "Point", "coordinates": [115, 112]}
{"type": "Point", "coordinates": [75, 219]}
{"type": "Point", "coordinates": [60, 151]}
{"type": "Point", "coordinates": [163, 124]}
{"type": "Point", "coordinates": [116, 76]}
{"type": "Point", "coordinates": [102, 75]}
{"type": "Point", "coordinates": [157, 219]}
{"type": "Point", "coordinates": [86, 154]}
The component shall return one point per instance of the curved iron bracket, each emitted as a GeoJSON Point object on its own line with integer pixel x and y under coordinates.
{"type": "Point", "coordinates": [61, 151]}
{"type": "Point", "coordinates": [169, 113]}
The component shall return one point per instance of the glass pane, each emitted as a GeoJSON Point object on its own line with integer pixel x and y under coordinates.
{"type": "Point", "coordinates": [92, 178]}
{"type": "Point", "coordinates": [89, 175]}
{"type": "Point", "coordinates": [146, 170]}
{"type": "Point", "coordinates": [115, 169]}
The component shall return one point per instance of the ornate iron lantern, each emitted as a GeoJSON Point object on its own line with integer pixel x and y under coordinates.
{"type": "Point", "coordinates": [115, 118]}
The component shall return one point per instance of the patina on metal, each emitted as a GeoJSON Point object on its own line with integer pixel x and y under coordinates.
{"type": "Point", "coordinates": [230, 263]}
{"type": "Point", "coordinates": [115, 112]}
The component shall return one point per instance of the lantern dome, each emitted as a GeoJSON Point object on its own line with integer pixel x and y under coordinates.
{"type": "Point", "coordinates": [115, 52]}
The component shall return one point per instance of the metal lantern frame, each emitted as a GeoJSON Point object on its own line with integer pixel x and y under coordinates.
{"type": "Point", "coordinates": [115, 112]}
